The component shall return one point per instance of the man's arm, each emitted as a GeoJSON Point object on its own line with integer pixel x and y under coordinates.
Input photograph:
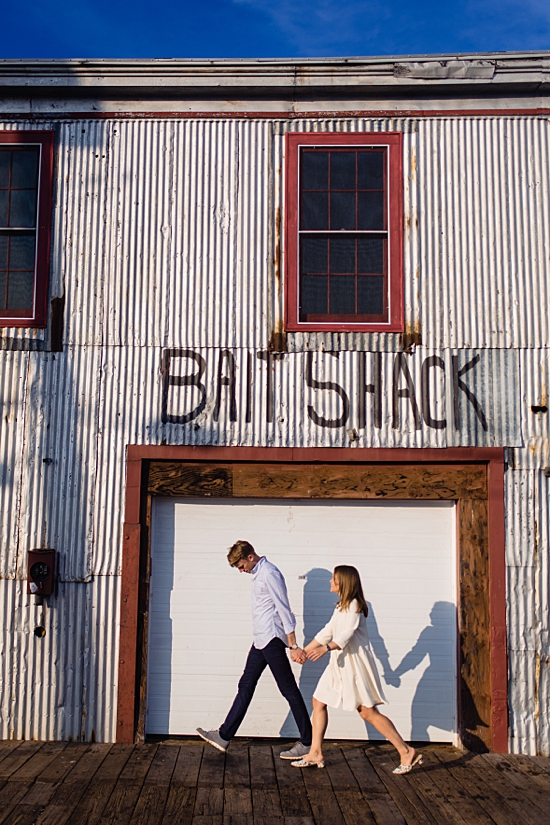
{"type": "Point", "coordinates": [278, 592]}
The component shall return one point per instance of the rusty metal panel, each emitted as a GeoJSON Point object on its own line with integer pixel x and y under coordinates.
{"type": "Point", "coordinates": [527, 544]}
{"type": "Point", "coordinates": [534, 397]}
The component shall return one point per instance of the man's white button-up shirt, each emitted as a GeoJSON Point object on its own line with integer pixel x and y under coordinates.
{"type": "Point", "coordinates": [271, 614]}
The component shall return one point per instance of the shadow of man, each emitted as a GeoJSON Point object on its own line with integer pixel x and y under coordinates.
{"type": "Point", "coordinates": [431, 704]}
{"type": "Point", "coordinates": [318, 608]}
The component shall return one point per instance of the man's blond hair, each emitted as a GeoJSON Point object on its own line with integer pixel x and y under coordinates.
{"type": "Point", "coordinates": [240, 550]}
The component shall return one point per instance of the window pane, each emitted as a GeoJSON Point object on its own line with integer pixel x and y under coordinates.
{"type": "Point", "coordinates": [370, 255]}
{"type": "Point", "coordinates": [371, 210]}
{"type": "Point", "coordinates": [370, 296]}
{"type": "Point", "coordinates": [2, 290]}
{"type": "Point", "coordinates": [342, 210]}
{"type": "Point", "coordinates": [314, 255]}
{"type": "Point", "coordinates": [370, 170]}
{"type": "Point", "coordinates": [342, 255]}
{"type": "Point", "coordinates": [342, 295]}
{"type": "Point", "coordinates": [314, 170]}
{"type": "Point", "coordinates": [314, 210]}
{"type": "Point", "coordinates": [24, 169]}
{"type": "Point", "coordinates": [4, 207]}
{"type": "Point", "coordinates": [22, 252]}
{"type": "Point", "coordinates": [4, 167]}
{"type": "Point", "coordinates": [313, 295]}
{"type": "Point", "coordinates": [3, 252]}
{"type": "Point", "coordinates": [22, 207]}
{"type": "Point", "coordinates": [342, 170]}
{"type": "Point", "coordinates": [20, 290]}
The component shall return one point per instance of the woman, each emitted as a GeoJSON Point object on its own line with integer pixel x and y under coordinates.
{"type": "Point", "coordinates": [351, 679]}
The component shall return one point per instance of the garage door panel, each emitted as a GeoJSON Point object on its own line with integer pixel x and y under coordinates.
{"type": "Point", "coordinates": [200, 626]}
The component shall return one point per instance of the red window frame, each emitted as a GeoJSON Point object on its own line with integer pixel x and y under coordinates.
{"type": "Point", "coordinates": [394, 143]}
{"type": "Point", "coordinates": [37, 317]}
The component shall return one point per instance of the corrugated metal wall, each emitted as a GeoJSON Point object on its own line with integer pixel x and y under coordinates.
{"type": "Point", "coordinates": [168, 234]}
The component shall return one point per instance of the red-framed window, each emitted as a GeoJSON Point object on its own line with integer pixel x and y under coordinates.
{"type": "Point", "coordinates": [26, 163]}
{"type": "Point", "coordinates": [344, 232]}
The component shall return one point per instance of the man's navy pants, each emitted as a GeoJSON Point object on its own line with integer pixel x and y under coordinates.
{"type": "Point", "coordinates": [273, 654]}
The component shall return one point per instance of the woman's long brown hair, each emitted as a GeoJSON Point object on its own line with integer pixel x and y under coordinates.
{"type": "Point", "coordinates": [349, 585]}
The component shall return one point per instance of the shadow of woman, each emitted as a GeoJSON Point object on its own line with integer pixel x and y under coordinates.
{"type": "Point", "coordinates": [318, 608]}
{"type": "Point", "coordinates": [432, 703]}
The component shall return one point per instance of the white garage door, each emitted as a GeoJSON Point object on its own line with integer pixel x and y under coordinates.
{"type": "Point", "coordinates": [200, 625]}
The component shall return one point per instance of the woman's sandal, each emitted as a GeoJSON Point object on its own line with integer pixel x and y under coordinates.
{"type": "Point", "coordinates": [303, 763]}
{"type": "Point", "coordinates": [418, 760]}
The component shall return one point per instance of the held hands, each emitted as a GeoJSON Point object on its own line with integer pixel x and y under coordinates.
{"type": "Point", "coordinates": [298, 656]}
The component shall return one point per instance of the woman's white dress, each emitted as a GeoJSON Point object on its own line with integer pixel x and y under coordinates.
{"type": "Point", "coordinates": [351, 678]}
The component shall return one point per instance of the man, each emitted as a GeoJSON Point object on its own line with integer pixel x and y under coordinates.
{"type": "Point", "coordinates": [273, 626]}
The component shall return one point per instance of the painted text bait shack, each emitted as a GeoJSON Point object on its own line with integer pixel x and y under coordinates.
{"type": "Point", "coordinates": [298, 302]}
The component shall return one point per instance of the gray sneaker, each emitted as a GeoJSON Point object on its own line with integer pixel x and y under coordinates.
{"type": "Point", "coordinates": [296, 751]}
{"type": "Point", "coordinates": [213, 738]}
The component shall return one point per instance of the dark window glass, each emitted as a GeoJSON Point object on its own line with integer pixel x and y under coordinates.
{"type": "Point", "coordinates": [342, 170]}
{"type": "Point", "coordinates": [4, 195]}
{"type": "Point", "coordinates": [342, 210]}
{"type": "Point", "coordinates": [370, 170]}
{"type": "Point", "coordinates": [370, 255]}
{"type": "Point", "coordinates": [4, 168]}
{"type": "Point", "coordinates": [20, 290]}
{"type": "Point", "coordinates": [314, 170]}
{"type": "Point", "coordinates": [314, 255]}
{"type": "Point", "coordinates": [314, 210]}
{"type": "Point", "coordinates": [342, 255]}
{"type": "Point", "coordinates": [342, 295]}
{"type": "Point", "coordinates": [22, 251]}
{"type": "Point", "coordinates": [24, 170]}
{"type": "Point", "coordinates": [3, 282]}
{"type": "Point", "coordinates": [22, 207]}
{"type": "Point", "coordinates": [3, 251]}
{"type": "Point", "coordinates": [370, 211]}
{"type": "Point", "coordinates": [370, 295]}
{"type": "Point", "coordinates": [313, 294]}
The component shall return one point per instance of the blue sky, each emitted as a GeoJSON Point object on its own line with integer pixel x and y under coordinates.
{"type": "Point", "coordinates": [269, 28]}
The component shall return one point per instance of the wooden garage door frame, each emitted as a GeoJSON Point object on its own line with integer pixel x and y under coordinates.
{"type": "Point", "coordinates": [472, 477]}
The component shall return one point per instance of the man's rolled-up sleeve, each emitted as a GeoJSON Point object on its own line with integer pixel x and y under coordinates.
{"type": "Point", "coordinates": [278, 592]}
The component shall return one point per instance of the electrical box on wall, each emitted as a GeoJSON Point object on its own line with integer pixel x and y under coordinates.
{"type": "Point", "coordinates": [40, 572]}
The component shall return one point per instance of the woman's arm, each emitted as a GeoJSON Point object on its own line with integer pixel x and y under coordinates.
{"type": "Point", "coordinates": [315, 650]}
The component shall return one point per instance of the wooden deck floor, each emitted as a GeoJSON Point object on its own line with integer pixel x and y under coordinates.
{"type": "Point", "coordinates": [186, 783]}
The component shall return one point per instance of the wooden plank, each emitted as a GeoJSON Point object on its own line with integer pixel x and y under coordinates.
{"type": "Point", "coordinates": [346, 481]}
{"type": "Point", "coordinates": [478, 786]}
{"type": "Point", "coordinates": [122, 802]}
{"type": "Point", "coordinates": [542, 762]}
{"type": "Point", "coordinates": [237, 802]}
{"type": "Point", "coordinates": [474, 625]}
{"type": "Point", "coordinates": [212, 769]}
{"type": "Point", "coordinates": [176, 478]}
{"type": "Point", "coordinates": [136, 768]}
{"type": "Point", "coordinates": [25, 814]}
{"type": "Point", "coordinates": [63, 764]}
{"type": "Point", "coordinates": [208, 820]}
{"type": "Point", "coordinates": [512, 775]}
{"type": "Point", "coordinates": [10, 795]}
{"type": "Point", "coordinates": [17, 758]}
{"type": "Point", "coordinates": [208, 802]}
{"type": "Point", "coordinates": [237, 767]}
{"type": "Point", "coordinates": [530, 768]}
{"type": "Point", "coordinates": [406, 798]}
{"type": "Point", "coordinates": [68, 794]}
{"type": "Point", "coordinates": [322, 798]}
{"type": "Point", "coordinates": [179, 806]}
{"type": "Point", "coordinates": [355, 808]}
{"type": "Point", "coordinates": [186, 771]}
{"type": "Point", "coordinates": [292, 791]}
{"type": "Point", "coordinates": [266, 805]}
{"type": "Point", "coordinates": [93, 802]}
{"type": "Point", "coordinates": [340, 773]}
{"type": "Point", "coordinates": [34, 766]}
{"type": "Point", "coordinates": [262, 769]}
{"type": "Point", "coordinates": [469, 809]}
{"type": "Point", "coordinates": [7, 748]}
{"type": "Point", "coordinates": [373, 789]}
{"type": "Point", "coordinates": [162, 766]}
{"type": "Point", "coordinates": [150, 805]}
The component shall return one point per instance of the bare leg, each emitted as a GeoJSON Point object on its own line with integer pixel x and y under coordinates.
{"type": "Point", "coordinates": [319, 725]}
{"type": "Point", "coordinates": [386, 727]}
